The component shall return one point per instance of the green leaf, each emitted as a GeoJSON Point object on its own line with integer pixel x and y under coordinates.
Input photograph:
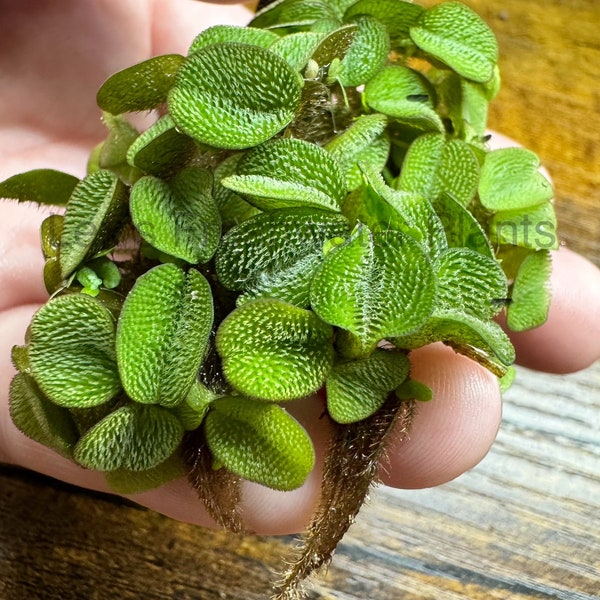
{"type": "Point", "coordinates": [232, 33]}
{"type": "Point", "coordinates": [461, 227]}
{"type": "Point", "coordinates": [375, 156]}
{"type": "Point", "coordinates": [297, 48]}
{"type": "Point", "coordinates": [434, 165]}
{"type": "Point", "coordinates": [133, 437]}
{"type": "Point", "coordinates": [457, 36]}
{"type": "Point", "coordinates": [293, 14]}
{"type": "Point", "coordinates": [38, 418]}
{"type": "Point", "coordinates": [178, 216]}
{"type": "Point", "coordinates": [414, 390]}
{"type": "Point", "coordinates": [50, 232]}
{"type": "Point", "coordinates": [470, 282]}
{"type": "Point", "coordinates": [72, 351]}
{"type": "Point", "coordinates": [286, 173]}
{"type": "Point", "coordinates": [124, 481]}
{"type": "Point", "coordinates": [113, 151]}
{"type": "Point", "coordinates": [534, 228]}
{"type": "Point", "coordinates": [510, 180]}
{"type": "Point", "coordinates": [141, 87]}
{"type": "Point", "coordinates": [260, 442]}
{"type": "Point", "coordinates": [276, 253]}
{"type": "Point", "coordinates": [350, 147]}
{"type": "Point", "coordinates": [398, 16]}
{"type": "Point", "coordinates": [530, 293]}
{"type": "Point", "coordinates": [367, 53]}
{"type": "Point", "coordinates": [162, 334]}
{"type": "Point", "coordinates": [375, 286]}
{"type": "Point", "coordinates": [357, 389]}
{"type": "Point", "coordinates": [193, 409]}
{"type": "Point", "coordinates": [507, 379]}
{"type": "Point", "coordinates": [404, 95]}
{"type": "Point", "coordinates": [95, 214]}
{"type": "Point", "coordinates": [161, 150]}
{"type": "Point", "coordinates": [466, 334]}
{"type": "Point", "coordinates": [44, 186]}
{"type": "Point", "coordinates": [274, 351]}
{"type": "Point", "coordinates": [335, 46]}
{"type": "Point", "coordinates": [206, 105]}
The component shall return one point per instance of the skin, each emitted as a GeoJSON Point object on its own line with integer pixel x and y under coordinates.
{"type": "Point", "coordinates": [54, 57]}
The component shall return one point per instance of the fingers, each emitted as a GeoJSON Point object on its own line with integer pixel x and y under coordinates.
{"type": "Point", "coordinates": [570, 339]}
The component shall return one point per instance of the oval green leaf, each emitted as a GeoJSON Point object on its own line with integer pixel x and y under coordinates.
{"type": "Point", "coordinates": [233, 33]}
{"type": "Point", "coordinates": [44, 186]}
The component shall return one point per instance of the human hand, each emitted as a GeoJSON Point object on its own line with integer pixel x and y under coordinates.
{"type": "Point", "coordinates": [49, 119]}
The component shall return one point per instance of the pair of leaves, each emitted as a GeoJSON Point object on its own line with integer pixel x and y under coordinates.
{"type": "Point", "coordinates": [163, 334]}
{"type": "Point", "coordinates": [179, 216]}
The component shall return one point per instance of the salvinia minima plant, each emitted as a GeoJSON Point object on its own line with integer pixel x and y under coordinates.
{"type": "Point", "coordinates": [315, 199]}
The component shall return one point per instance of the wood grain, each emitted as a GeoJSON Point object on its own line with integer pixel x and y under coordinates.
{"type": "Point", "coordinates": [522, 525]}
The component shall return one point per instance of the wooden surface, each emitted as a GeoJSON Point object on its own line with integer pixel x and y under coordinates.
{"type": "Point", "coordinates": [522, 525]}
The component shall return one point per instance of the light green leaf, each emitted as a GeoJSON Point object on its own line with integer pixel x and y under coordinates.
{"type": "Point", "coordinates": [470, 282]}
{"type": "Point", "coordinates": [457, 36]}
{"type": "Point", "coordinates": [141, 87]}
{"type": "Point", "coordinates": [275, 351]}
{"type": "Point", "coordinates": [193, 409]}
{"type": "Point", "coordinates": [414, 390]}
{"type": "Point", "coordinates": [510, 180]}
{"type": "Point", "coordinates": [461, 227]}
{"type": "Point", "coordinates": [260, 442]}
{"type": "Point", "coordinates": [232, 33]}
{"type": "Point", "coordinates": [276, 253]}
{"type": "Point", "coordinates": [44, 186]}
{"type": "Point", "coordinates": [507, 379]}
{"type": "Point", "coordinates": [178, 216]}
{"type": "Point", "coordinates": [123, 481]}
{"type": "Point", "coordinates": [72, 351]}
{"type": "Point", "coordinates": [367, 54]}
{"type": "Point", "coordinates": [375, 155]}
{"type": "Point", "coordinates": [530, 293]}
{"type": "Point", "coordinates": [297, 48]}
{"type": "Point", "coordinates": [286, 173]}
{"type": "Point", "coordinates": [161, 150]}
{"type": "Point", "coordinates": [95, 213]}
{"type": "Point", "coordinates": [206, 105]}
{"type": "Point", "coordinates": [404, 95]}
{"type": "Point", "coordinates": [297, 14]}
{"type": "Point", "coordinates": [534, 228]}
{"type": "Point", "coordinates": [163, 333]}
{"type": "Point", "coordinates": [357, 389]}
{"type": "Point", "coordinates": [434, 164]}
{"type": "Point", "coordinates": [133, 437]}
{"type": "Point", "coordinates": [375, 286]}
{"type": "Point", "coordinates": [398, 16]}
{"type": "Point", "coordinates": [112, 153]}
{"type": "Point", "coordinates": [38, 418]}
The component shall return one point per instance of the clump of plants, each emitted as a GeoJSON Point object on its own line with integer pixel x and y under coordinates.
{"type": "Point", "coordinates": [315, 199]}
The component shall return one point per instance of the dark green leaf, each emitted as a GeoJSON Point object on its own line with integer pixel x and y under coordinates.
{"type": "Point", "coordinates": [44, 186]}
{"type": "Point", "coordinates": [260, 442]}
{"type": "Point", "coordinates": [293, 13]}
{"type": "Point", "coordinates": [275, 351]}
{"type": "Point", "coordinates": [133, 437]}
{"type": "Point", "coordinates": [51, 231]}
{"type": "Point", "coordinates": [140, 87]}
{"type": "Point", "coordinates": [163, 333]}
{"type": "Point", "coordinates": [72, 351]}
{"type": "Point", "coordinates": [335, 45]}
{"type": "Point", "coordinates": [234, 95]}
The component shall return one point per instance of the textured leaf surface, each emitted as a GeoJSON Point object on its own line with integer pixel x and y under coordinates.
{"type": "Point", "coordinates": [112, 153]}
{"type": "Point", "coordinates": [297, 48]}
{"type": "Point", "coordinates": [44, 186]}
{"type": "Point", "coordinates": [234, 95]}
{"type": "Point", "coordinates": [405, 95]}
{"type": "Point", "coordinates": [289, 172]}
{"type": "Point", "coordinates": [72, 351]}
{"type": "Point", "coordinates": [179, 216]}
{"type": "Point", "coordinates": [94, 214]}
{"type": "Point", "coordinates": [510, 180]}
{"type": "Point", "coordinates": [375, 286]}
{"type": "Point", "coordinates": [40, 419]}
{"type": "Point", "coordinates": [133, 437]}
{"type": "Point", "coordinates": [270, 250]}
{"type": "Point", "coordinates": [275, 351]}
{"type": "Point", "coordinates": [260, 442]}
{"type": "Point", "coordinates": [232, 33]}
{"type": "Point", "coordinates": [293, 13]}
{"type": "Point", "coordinates": [530, 293]}
{"type": "Point", "coordinates": [357, 389]}
{"type": "Point", "coordinates": [398, 16]}
{"type": "Point", "coordinates": [140, 87]}
{"type": "Point", "coordinates": [335, 46]}
{"type": "Point", "coordinates": [434, 165]}
{"type": "Point", "coordinates": [457, 36]}
{"type": "Point", "coordinates": [163, 333]}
